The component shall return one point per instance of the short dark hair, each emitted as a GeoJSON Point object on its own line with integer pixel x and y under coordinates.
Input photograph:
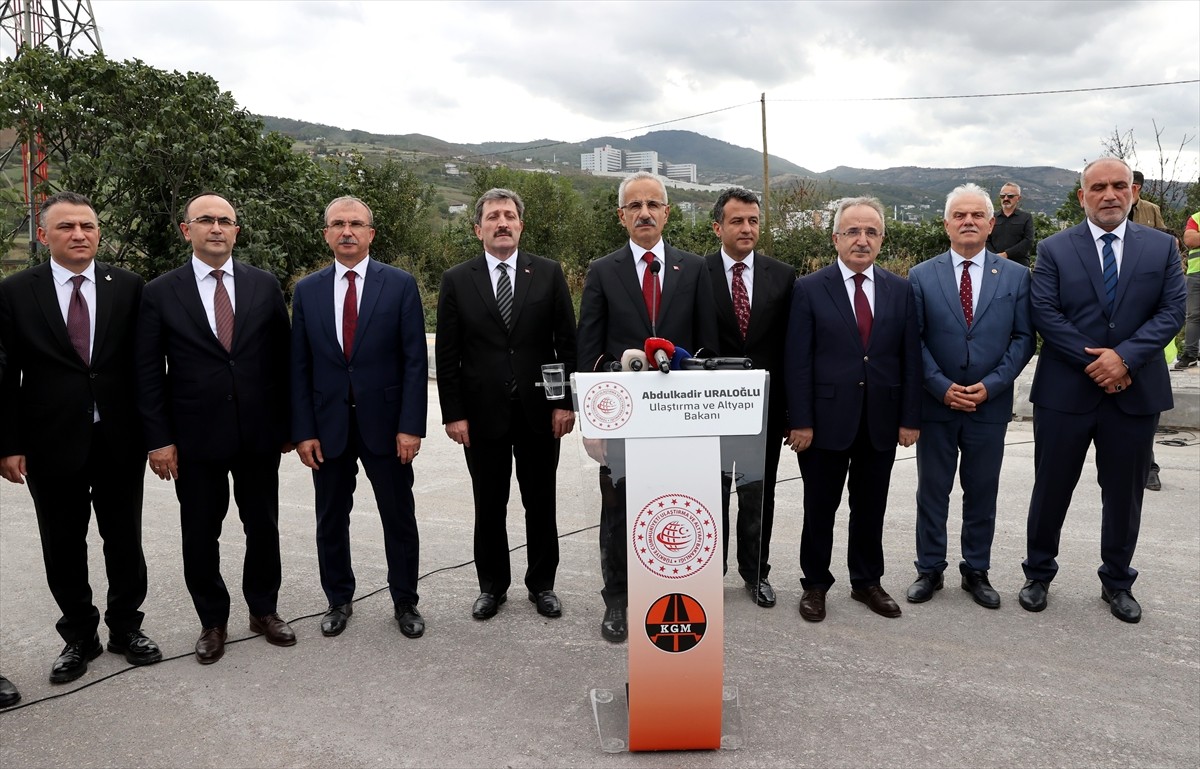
{"type": "Point", "coordinates": [1139, 177]}
{"type": "Point", "coordinates": [499, 193]}
{"type": "Point", "coordinates": [66, 196]}
{"type": "Point", "coordinates": [733, 193]}
{"type": "Point", "coordinates": [206, 194]}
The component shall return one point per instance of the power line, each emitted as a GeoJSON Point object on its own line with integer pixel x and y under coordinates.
{"type": "Point", "coordinates": [992, 95]}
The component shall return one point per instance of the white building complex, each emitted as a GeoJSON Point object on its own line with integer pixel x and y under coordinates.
{"type": "Point", "coordinates": [601, 159]}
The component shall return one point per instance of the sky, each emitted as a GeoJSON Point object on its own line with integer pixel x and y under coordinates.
{"type": "Point", "coordinates": [470, 72]}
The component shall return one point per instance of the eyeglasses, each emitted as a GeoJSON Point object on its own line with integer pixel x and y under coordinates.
{"type": "Point", "coordinates": [339, 224]}
{"type": "Point", "coordinates": [207, 221]}
{"type": "Point", "coordinates": [1007, 195]}
{"type": "Point", "coordinates": [854, 232]}
{"type": "Point", "coordinates": [653, 206]}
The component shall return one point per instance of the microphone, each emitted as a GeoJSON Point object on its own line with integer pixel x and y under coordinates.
{"type": "Point", "coordinates": [717, 364]}
{"type": "Point", "coordinates": [679, 356]}
{"type": "Point", "coordinates": [634, 360]}
{"type": "Point", "coordinates": [605, 363]}
{"type": "Point", "coordinates": [660, 351]}
{"type": "Point", "coordinates": [654, 268]}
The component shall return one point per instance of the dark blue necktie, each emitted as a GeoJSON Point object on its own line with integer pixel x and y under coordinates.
{"type": "Point", "coordinates": [1110, 269]}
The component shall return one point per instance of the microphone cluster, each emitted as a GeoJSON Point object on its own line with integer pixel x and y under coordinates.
{"type": "Point", "coordinates": [665, 356]}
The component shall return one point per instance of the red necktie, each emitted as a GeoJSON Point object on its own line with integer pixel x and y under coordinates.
{"type": "Point", "coordinates": [862, 309]}
{"type": "Point", "coordinates": [651, 291]}
{"type": "Point", "coordinates": [223, 309]}
{"type": "Point", "coordinates": [741, 299]}
{"type": "Point", "coordinates": [79, 325]}
{"type": "Point", "coordinates": [966, 293]}
{"type": "Point", "coordinates": [349, 315]}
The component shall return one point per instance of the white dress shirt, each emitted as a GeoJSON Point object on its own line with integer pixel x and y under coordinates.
{"type": "Point", "coordinates": [868, 285]}
{"type": "Point", "coordinates": [747, 274]}
{"type": "Point", "coordinates": [207, 285]}
{"type": "Point", "coordinates": [974, 273]}
{"type": "Point", "coordinates": [64, 289]}
{"type": "Point", "coordinates": [340, 285]}
{"type": "Point", "coordinates": [640, 263]}
{"type": "Point", "coordinates": [1118, 245]}
{"type": "Point", "coordinates": [510, 266]}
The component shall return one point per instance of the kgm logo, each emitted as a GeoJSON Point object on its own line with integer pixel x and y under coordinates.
{"type": "Point", "coordinates": [676, 623]}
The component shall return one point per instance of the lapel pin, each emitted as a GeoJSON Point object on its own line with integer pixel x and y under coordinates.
{"type": "Point", "coordinates": [675, 267]}
{"type": "Point", "coordinates": [994, 271]}
{"type": "Point", "coordinates": [108, 277]}
{"type": "Point", "coordinates": [527, 271]}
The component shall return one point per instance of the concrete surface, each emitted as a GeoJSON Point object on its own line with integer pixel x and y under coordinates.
{"type": "Point", "coordinates": [949, 684]}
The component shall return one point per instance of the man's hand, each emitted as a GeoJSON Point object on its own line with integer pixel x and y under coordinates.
{"type": "Point", "coordinates": [310, 454]}
{"type": "Point", "coordinates": [957, 399]}
{"type": "Point", "coordinates": [1108, 369]}
{"type": "Point", "coordinates": [459, 432]}
{"type": "Point", "coordinates": [562, 421]}
{"type": "Point", "coordinates": [164, 462]}
{"type": "Point", "coordinates": [908, 436]}
{"type": "Point", "coordinates": [13, 468]}
{"type": "Point", "coordinates": [407, 447]}
{"type": "Point", "coordinates": [1120, 386]}
{"type": "Point", "coordinates": [975, 393]}
{"type": "Point", "coordinates": [597, 449]}
{"type": "Point", "coordinates": [800, 439]}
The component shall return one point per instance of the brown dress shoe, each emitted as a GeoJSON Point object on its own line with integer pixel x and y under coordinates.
{"type": "Point", "coordinates": [211, 646]}
{"type": "Point", "coordinates": [812, 604]}
{"type": "Point", "coordinates": [274, 628]}
{"type": "Point", "coordinates": [877, 599]}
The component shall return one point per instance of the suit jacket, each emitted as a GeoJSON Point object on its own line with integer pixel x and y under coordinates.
{"type": "Point", "coordinates": [993, 350]}
{"type": "Point", "coordinates": [612, 313]}
{"type": "Point", "coordinates": [388, 368]}
{"type": "Point", "coordinates": [827, 371]}
{"type": "Point", "coordinates": [212, 404]}
{"type": "Point", "coordinates": [48, 393]}
{"type": "Point", "coordinates": [773, 282]}
{"type": "Point", "coordinates": [479, 360]}
{"type": "Point", "coordinates": [1070, 312]}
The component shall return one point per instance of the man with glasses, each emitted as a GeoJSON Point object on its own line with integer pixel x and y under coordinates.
{"type": "Point", "coordinates": [359, 394]}
{"type": "Point", "coordinates": [212, 388]}
{"type": "Point", "coordinates": [620, 293]}
{"type": "Point", "coordinates": [1012, 237]}
{"type": "Point", "coordinates": [852, 367]}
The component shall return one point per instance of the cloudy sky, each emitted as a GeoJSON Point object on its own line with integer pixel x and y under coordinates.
{"type": "Point", "coordinates": [525, 71]}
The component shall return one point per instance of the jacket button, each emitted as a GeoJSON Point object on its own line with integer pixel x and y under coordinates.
{"type": "Point", "coordinates": [862, 384]}
{"type": "Point", "coordinates": [1112, 325]}
{"type": "Point", "coordinates": [92, 375]}
{"type": "Point", "coordinates": [228, 397]}
{"type": "Point", "coordinates": [866, 358]}
{"type": "Point", "coordinates": [232, 364]}
{"type": "Point", "coordinates": [350, 369]}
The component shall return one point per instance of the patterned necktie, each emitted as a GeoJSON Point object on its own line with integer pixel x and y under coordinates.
{"type": "Point", "coordinates": [504, 295]}
{"type": "Point", "coordinates": [349, 315]}
{"type": "Point", "coordinates": [651, 291]}
{"type": "Point", "coordinates": [79, 325]}
{"type": "Point", "coordinates": [1110, 269]}
{"type": "Point", "coordinates": [862, 309]}
{"type": "Point", "coordinates": [966, 293]}
{"type": "Point", "coordinates": [223, 309]}
{"type": "Point", "coordinates": [741, 299]}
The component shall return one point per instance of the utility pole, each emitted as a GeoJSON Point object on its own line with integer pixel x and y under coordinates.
{"type": "Point", "coordinates": [766, 196]}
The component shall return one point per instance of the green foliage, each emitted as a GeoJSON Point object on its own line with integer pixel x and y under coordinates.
{"type": "Point", "coordinates": [1071, 211]}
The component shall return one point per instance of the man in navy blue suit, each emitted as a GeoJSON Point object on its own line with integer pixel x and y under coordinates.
{"type": "Point", "coordinates": [359, 393]}
{"type": "Point", "coordinates": [976, 337]}
{"type": "Point", "coordinates": [1108, 295]}
{"type": "Point", "coordinates": [852, 369]}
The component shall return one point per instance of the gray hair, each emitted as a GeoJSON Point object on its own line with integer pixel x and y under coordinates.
{"type": "Point", "coordinates": [1086, 168]}
{"type": "Point", "coordinates": [350, 199]}
{"type": "Point", "coordinates": [869, 202]}
{"type": "Point", "coordinates": [1014, 185]}
{"type": "Point", "coordinates": [499, 193]}
{"type": "Point", "coordinates": [628, 180]}
{"type": "Point", "coordinates": [963, 190]}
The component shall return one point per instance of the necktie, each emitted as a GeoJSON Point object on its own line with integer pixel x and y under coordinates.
{"type": "Point", "coordinates": [349, 315]}
{"type": "Point", "coordinates": [651, 291]}
{"type": "Point", "coordinates": [741, 299]}
{"type": "Point", "coordinates": [862, 309]}
{"type": "Point", "coordinates": [223, 309]}
{"type": "Point", "coordinates": [79, 325]}
{"type": "Point", "coordinates": [504, 295]}
{"type": "Point", "coordinates": [966, 293]}
{"type": "Point", "coordinates": [1110, 269]}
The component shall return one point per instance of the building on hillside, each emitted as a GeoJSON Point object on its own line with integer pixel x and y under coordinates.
{"type": "Point", "coordinates": [642, 161]}
{"type": "Point", "coordinates": [452, 169]}
{"type": "Point", "coordinates": [684, 172]}
{"type": "Point", "coordinates": [457, 208]}
{"type": "Point", "coordinates": [601, 159]}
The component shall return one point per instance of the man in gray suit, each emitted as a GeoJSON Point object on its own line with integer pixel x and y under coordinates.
{"type": "Point", "coordinates": [976, 336]}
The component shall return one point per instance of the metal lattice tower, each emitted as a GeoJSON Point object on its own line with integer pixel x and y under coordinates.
{"type": "Point", "coordinates": [67, 26]}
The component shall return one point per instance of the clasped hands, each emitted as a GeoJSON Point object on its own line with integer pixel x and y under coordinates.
{"type": "Point", "coordinates": [965, 397]}
{"type": "Point", "coordinates": [1108, 371]}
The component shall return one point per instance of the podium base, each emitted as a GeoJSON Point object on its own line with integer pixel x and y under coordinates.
{"type": "Point", "coordinates": [611, 710]}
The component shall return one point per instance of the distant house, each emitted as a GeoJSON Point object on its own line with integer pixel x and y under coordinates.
{"type": "Point", "coordinates": [457, 208]}
{"type": "Point", "coordinates": [452, 169]}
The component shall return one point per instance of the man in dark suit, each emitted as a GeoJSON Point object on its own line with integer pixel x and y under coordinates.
{"type": "Point", "coordinates": [69, 427]}
{"type": "Point", "coordinates": [212, 354]}
{"type": "Point", "coordinates": [976, 337]}
{"type": "Point", "coordinates": [501, 316]}
{"type": "Point", "coordinates": [852, 368]}
{"type": "Point", "coordinates": [359, 393]}
{"type": "Point", "coordinates": [619, 294]}
{"type": "Point", "coordinates": [752, 293]}
{"type": "Point", "coordinates": [1108, 295]}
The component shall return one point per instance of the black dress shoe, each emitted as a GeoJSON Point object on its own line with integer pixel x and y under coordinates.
{"type": "Point", "coordinates": [762, 592]}
{"type": "Point", "coordinates": [877, 600]}
{"type": "Point", "coordinates": [9, 695]}
{"type": "Point", "coordinates": [136, 646]}
{"type": "Point", "coordinates": [210, 646]}
{"type": "Point", "coordinates": [274, 629]}
{"type": "Point", "coordinates": [1122, 604]}
{"type": "Point", "coordinates": [812, 604]}
{"type": "Point", "coordinates": [334, 621]}
{"type": "Point", "coordinates": [547, 603]}
{"type": "Point", "coordinates": [487, 604]}
{"type": "Point", "coordinates": [614, 628]}
{"type": "Point", "coordinates": [1033, 596]}
{"type": "Point", "coordinates": [925, 586]}
{"type": "Point", "coordinates": [1153, 482]}
{"type": "Point", "coordinates": [976, 583]}
{"type": "Point", "coordinates": [73, 661]}
{"type": "Point", "coordinates": [412, 624]}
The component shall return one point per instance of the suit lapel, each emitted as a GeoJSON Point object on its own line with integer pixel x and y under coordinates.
{"type": "Point", "coordinates": [324, 297]}
{"type": "Point", "coordinates": [245, 292]}
{"type": "Point", "coordinates": [188, 294]}
{"type": "Point", "coordinates": [481, 278]}
{"type": "Point", "coordinates": [1085, 250]}
{"type": "Point", "coordinates": [524, 265]}
{"type": "Point", "coordinates": [105, 296]}
{"type": "Point", "coordinates": [47, 299]}
{"type": "Point", "coordinates": [626, 267]}
{"type": "Point", "coordinates": [837, 294]}
{"type": "Point", "coordinates": [988, 284]}
{"type": "Point", "coordinates": [724, 301]}
{"type": "Point", "coordinates": [948, 281]}
{"type": "Point", "coordinates": [372, 288]}
{"type": "Point", "coordinates": [1131, 254]}
{"type": "Point", "coordinates": [883, 303]}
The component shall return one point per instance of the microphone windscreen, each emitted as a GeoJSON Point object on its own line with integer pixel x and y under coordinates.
{"type": "Point", "coordinates": [658, 344]}
{"type": "Point", "coordinates": [679, 356]}
{"type": "Point", "coordinates": [634, 360]}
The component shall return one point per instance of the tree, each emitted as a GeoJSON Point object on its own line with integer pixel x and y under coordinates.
{"type": "Point", "coordinates": [1071, 211]}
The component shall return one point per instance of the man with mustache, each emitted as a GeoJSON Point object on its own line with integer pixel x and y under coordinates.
{"type": "Point", "coordinates": [501, 317]}
{"type": "Point", "coordinates": [977, 336]}
{"type": "Point", "coordinates": [359, 394]}
{"type": "Point", "coordinates": [1108, 295]}
{"type": "Point", "coordinates": [852, 367]}
{"type": "Point", "coordinates": [1012, 235]}
{"type": "Point", "coordinates": [620, 292]}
